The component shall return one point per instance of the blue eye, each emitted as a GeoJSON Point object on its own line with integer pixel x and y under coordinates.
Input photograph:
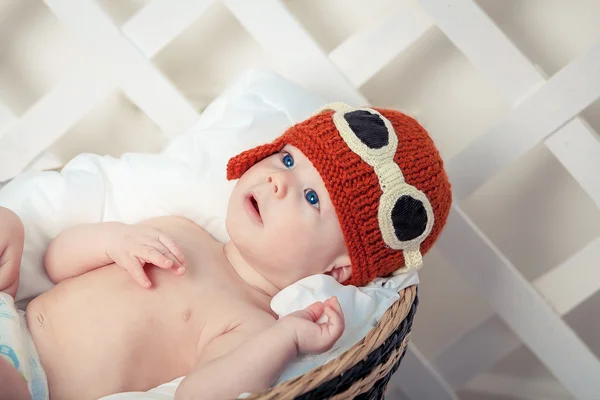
{"type": "Point", "coordinates": [288, 160]}
{"type": "Point", "coordinates": [312, 197]}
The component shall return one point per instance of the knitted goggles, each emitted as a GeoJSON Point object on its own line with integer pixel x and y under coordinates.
{"type": "Point", "coordinates": [405, 214]}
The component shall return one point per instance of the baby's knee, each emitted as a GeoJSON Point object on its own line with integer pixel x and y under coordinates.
{"type": "Point", "coordinates": [12, 383]}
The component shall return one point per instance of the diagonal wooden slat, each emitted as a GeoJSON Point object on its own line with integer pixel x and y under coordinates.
{"type": "Point", "coordinates": [7, 118]}
{"type": "Point", "coordinates": [417, 379]}
{"type": "Point", "coordinates": [485, 46]}
{"type": "Point", "coordinates": [577, 147]}
{"type": "Point", "coordinates": [574, 281]}
{"type": "Point", "coordinates": [365, 53]}
{"type": "Point", "coordinates": [142, 82]}
{"type": "Point", "coordinates": [87, 84]}
{"type": "Point", "coordinates": [159, 22]}
{"type": "Point", "coordinates": [523, 309]}
{"type": "Point", "coordinates": [297, 55]}
{"type": "Point", "coordinates": [47, 119]}
{"type": "Point", "coordinates": [564, 287]}
{"type": "Point", "coordinates": [511, 387]}
{"type": "Point", "coordinates": [566, 94]}
{"type": "Point", "coordinates": [475, 351]}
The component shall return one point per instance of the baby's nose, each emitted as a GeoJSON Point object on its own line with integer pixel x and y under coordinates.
{"type": "Point", "coordinates": [279, 184]}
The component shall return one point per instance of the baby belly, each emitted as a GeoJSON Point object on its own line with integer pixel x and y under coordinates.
{"type": "Point", "coordinates": [100, 333]}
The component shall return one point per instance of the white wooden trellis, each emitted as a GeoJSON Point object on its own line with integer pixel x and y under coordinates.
{"type": "Point", "coordinates": [544, 110]}
{"type": "Point", "coordinates": [541, 109]}
{"type": "Point", "coordinates": [7, 118]}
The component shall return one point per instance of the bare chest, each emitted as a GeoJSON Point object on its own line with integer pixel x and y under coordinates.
{"type": "Point", "coordinates": [101, 333]}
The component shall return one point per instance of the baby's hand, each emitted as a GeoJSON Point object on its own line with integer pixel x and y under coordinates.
{"type": "Point", "coordinates": [133, 246]}
{"type": "Point", "coordinates": [11, 249]}
{"type": "Point", "coordinates": [311, 337]}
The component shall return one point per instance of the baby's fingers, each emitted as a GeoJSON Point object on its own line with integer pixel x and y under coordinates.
{"type": "Point", "coordinates": [335, 318]}
{"type": "Point", "coordinates": [152, 255]}
{"type": "Point", "coordinates": [312, 312]}
{"type": "Point", "coordinates": [136, 269]}
{"type": "Point", "coordinates": [173, 248]}
{"type": "Point", "coordinates": [335, 304]}
{"type": "Point", "coordinates": [175, 265]}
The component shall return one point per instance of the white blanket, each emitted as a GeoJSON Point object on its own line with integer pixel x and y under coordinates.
{"type": "Point", "coordinates": [188, 179]}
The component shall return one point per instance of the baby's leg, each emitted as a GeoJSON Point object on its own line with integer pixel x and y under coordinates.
{"type": "Point", "coordinates": [20, 371]}
{"type": "Point", "coordinates": [12, 383]}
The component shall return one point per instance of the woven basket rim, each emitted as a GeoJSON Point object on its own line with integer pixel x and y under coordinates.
{"type": "Point", "coordinates": [390, 320]}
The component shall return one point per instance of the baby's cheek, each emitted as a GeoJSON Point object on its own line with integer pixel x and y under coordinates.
{"type": "Point", "coordinates": [292, 230]}
{"type": "Point", "coordinates": [291, 244]}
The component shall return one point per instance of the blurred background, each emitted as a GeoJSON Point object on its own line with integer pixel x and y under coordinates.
{"type": "Point", "coordinates": [535, 210]}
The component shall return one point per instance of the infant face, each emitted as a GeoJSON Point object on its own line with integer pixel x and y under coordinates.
{"type": "Point", "coordinates": [281, 219]}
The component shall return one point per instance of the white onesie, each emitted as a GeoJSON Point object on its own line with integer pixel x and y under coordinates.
{"type": "Point", "coordinates": [16, 346]}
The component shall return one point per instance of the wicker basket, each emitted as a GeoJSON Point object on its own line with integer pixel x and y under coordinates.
{"type": "Point", "coordinates": [363, 371]}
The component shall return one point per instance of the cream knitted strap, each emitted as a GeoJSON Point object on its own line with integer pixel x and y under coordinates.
{"type": "Point", "coordinates": [413, 260]}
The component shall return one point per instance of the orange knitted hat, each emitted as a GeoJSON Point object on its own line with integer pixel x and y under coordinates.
{"type": "Point", "coordinates": [384, 176]}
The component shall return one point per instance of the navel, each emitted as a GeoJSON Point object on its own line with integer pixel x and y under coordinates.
{"type": "Point", "coordinates": [186, 314]}
{"type": "Point", "coordinates": [40, 319]}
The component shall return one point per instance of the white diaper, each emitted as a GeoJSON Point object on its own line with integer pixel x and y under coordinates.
{"type": "Point", "coordinates": [16, 346]}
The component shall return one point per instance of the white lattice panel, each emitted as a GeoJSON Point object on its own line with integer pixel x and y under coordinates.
{"type": "Point", "coordinates": [540, 110]}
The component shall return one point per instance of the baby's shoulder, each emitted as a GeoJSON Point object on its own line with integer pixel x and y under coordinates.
{"type": "Point", "coordinates": [177, 226]}
{"type": "Point", "coordinates": [167, 221]}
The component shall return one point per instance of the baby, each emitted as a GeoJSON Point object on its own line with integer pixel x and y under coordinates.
{"type": "Point", "coordinates": [354, 193]}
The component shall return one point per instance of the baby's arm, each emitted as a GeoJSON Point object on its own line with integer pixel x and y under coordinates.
{"type": "Point", "coordinates": [79, 249]}
{"type": "Point", "coordinates": [252, 366]}
{"type": "Point", "coordinates": [233, 363]}
{"type": "Point", "coordinates": [11, 249]}
{"type": "Point", "coordinates": [83, 248]}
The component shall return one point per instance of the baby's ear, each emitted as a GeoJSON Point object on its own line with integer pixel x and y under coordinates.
{"type": "Point", "coordinates": [341, 274]}
{"type": "Point", "coordinates": [342, 269]}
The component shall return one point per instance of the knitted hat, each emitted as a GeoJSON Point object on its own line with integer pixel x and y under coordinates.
{"type": "Point", "coordinates": [384, 176]}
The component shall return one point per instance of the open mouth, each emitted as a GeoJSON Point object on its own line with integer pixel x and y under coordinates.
{"type": "Point", "coordinates": [254, 208]}
{"type": "Point", "coordinates": [255, 204]}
